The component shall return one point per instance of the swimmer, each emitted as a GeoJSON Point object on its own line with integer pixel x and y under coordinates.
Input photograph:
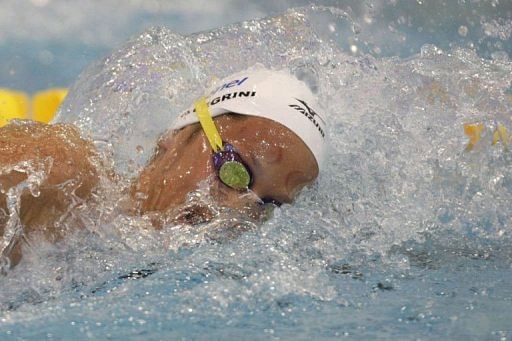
{"type": "Point", "coordinates": [254, 139]}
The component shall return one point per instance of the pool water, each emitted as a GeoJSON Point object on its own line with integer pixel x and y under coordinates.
{"type": "Point", "coordinates": [405, 235]}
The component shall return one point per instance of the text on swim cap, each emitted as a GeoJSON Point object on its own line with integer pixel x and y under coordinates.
{"type": "Point", "coordinates": [230, 84]}
{"type": "Point", "coordinates": [223, 98]}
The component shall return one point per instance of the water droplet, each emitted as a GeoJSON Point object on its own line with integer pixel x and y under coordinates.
{"type": "Point", "coordinates": [463, 31]}
{"type": "Point", "coordinates": [356, 28]}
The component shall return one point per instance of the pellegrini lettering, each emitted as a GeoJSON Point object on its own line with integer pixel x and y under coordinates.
{"type": "Point", "coordinates": [223, 98]}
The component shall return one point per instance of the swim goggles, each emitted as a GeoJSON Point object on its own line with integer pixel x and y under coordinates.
{"type": "Point", "coordinates": [230, 167]}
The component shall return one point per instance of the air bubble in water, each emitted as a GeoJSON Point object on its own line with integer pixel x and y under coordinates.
{"type": "Point", "coordinates": [356, 29]}
{"type": "Point", "coordinates": [463, 31]}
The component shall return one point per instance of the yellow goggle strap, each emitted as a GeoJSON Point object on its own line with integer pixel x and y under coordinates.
{"type": "Point", "coordinates": [209, 128]}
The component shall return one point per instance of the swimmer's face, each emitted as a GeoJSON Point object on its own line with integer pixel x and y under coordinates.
{"type": "Point", "coordinates": [280, 163]}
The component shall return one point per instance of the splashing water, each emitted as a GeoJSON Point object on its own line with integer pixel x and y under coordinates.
{"type": "Point", "coordinates": [406, 232]}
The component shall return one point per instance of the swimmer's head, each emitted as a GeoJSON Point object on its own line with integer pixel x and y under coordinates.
{"type": "Point", "coordinates": [275, 95]}
{"type": "Point", "coordinates": [268, 118]}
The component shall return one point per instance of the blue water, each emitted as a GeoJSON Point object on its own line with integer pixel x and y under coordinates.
{"type": "Point", "coordinates": [47, 43]}
{"type": "Point", "coordinates": [406, 235]}
{"type": "Point", "coordinates": [430, 301]}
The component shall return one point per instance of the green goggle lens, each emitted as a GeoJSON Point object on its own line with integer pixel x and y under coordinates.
{"type": "Point", "coordinates": [235, 175]}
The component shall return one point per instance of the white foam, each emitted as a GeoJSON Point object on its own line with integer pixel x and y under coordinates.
{"type": "Point", "coordinates": [397, 174]}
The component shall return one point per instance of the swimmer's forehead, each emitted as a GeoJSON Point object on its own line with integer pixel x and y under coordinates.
{"type": "Point", "coordinates": [231, 116]}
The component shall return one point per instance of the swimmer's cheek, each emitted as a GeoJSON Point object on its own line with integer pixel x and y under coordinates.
{"type": "Point", "coordinates": [247, 203]}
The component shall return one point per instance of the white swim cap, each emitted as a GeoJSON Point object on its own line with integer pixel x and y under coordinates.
{"type": "Point", "coordinates": [276, 95]}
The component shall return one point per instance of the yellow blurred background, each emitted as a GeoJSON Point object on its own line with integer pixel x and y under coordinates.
{"type": "Point", "coordinates": [42, 106]}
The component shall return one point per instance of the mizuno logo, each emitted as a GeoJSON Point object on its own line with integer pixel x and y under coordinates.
{"type": "Point", "coordinates": [307, 111]}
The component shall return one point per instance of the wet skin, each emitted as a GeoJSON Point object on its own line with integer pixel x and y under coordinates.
{"type": "Point", "coordinates": [279, 161]}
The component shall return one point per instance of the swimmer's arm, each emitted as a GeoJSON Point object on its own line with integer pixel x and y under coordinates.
{"type": "Point", "coordinates": [66, 165]}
